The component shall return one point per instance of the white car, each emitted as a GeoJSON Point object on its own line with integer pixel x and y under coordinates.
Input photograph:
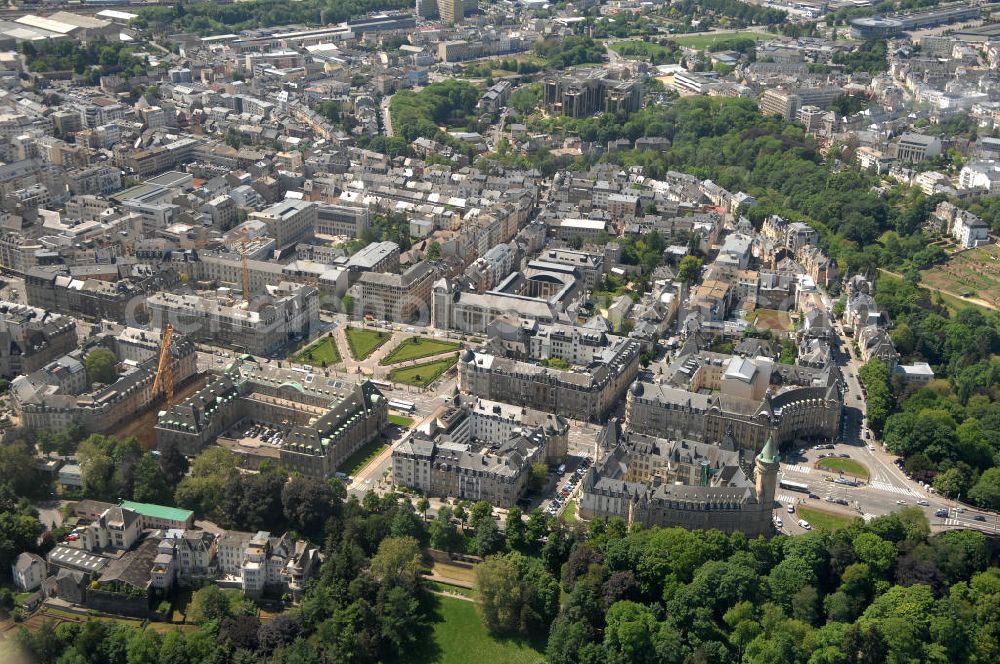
{"type": "Point", "coordinates": [923, 502]}
{"type": "Point", "coordinates": [804, 524]}
{"type": "Point", "coordinates": [900, 502]}
{"type": "Point", "coordinates": [791, 509]}
{"type": "Point", "coordinates": [778, 522]}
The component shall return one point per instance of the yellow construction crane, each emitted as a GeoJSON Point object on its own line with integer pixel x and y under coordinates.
{"type": "Point", "coordinates": [165, 370]}
{"type": "Point", "coordinates": [246, 267]}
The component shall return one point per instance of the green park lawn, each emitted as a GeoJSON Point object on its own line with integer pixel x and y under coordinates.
{"type": "Point", "coordinates": [356, 462]}
{"type": "Point", "coordinates": [364, 342]}
{"type": "Point", "coordinates": [824, 520]}
{"type": "Point", "coordinates": [322, 353]}
{"type": "Point", "coordinates": [401, 421]}
{"type": "Point", "coordinates": [847, 466]}
{"type": "Point", "coordinates": [704, 41]}
{"type": "Point", "coordinates": [569, 514]}
{"type": "Point", "coordinates": [458, 637]}
{"type": "Point", "coordinates": [422, 375]}
{"type": "Point", "coordinates": [415, 348]}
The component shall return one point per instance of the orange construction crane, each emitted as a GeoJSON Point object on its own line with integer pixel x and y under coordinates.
{"type": "Point", "coordinates": [165, 370]}
{"type": "Point", "coordinates": [246, 267]}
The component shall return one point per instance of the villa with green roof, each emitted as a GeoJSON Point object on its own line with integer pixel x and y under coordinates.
{"type": "Point", "coordinates": [160, 516]}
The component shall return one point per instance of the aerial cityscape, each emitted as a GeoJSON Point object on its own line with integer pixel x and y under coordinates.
{"type": "Point", "coordinates": [514, 331]}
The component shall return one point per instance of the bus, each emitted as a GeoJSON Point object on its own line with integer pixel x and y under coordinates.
{"type": "Point", "coordinates": [380, 384]}
{"type": "Point", "coordinates": [794, 486]}
{"type": "Point", "coordinates": [405, 406]}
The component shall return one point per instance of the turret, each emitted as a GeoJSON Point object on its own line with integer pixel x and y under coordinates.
{"type": "Point", "coordinates": [766, 481]}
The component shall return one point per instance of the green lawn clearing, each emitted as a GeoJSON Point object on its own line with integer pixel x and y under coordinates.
{"type": "Point", "coordinates": [847, 466]}
{"type": "Point", "coordinates": [356, 462]}
{"type": "Point", "coordinates": [401, 421]}
{"type": "Point", "coordinates": [422, 375]}
{"type": "Point", "coordinates": [705, 41]}
{"type": "Point", "coordinates": [823, 519]}
{"type": "Point", "coordinates": [415, 348]}
{"type": "Point", "coordinates": [458, 637]}
{"type": "Point", "coordinates": [321, 353]}
{"type": "Point", "coordinates": [364, 342]}
{"type": "Point", "coordinates": [569, 514]}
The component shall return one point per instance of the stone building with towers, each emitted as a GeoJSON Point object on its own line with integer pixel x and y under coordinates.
{"type": "Point", "coordinates": [656, 482]}
{"type": "Point", "coordinates": [705, 396]}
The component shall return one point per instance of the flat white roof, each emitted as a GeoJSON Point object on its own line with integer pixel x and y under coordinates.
{"type": "Point", "coordinates": [584, 223]}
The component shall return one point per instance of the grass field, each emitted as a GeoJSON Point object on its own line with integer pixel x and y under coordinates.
{"type": "Point", "coordinates": [823, 519]}
{"type": "Point", "coordinates": [322, 353]}
{"type": "Point", "coordinates": [458, 637]}
{"type": "Point", "coordinates": [638, 49]}
{"type": "Point", "coordinates": [353, 464]}
{"type": "Point", "coordinates": [847, 466]}
{"type": "Point", "coordinates": [422, 375]}
{"type": "Point", "coordinates": [770, 319]}
{"type": "Point", "coordinates": [457, 573]}
{"type": "Point", "coordinates": [704, 41]}
{"type": "Point", "coordinates": [569, 514]}
{"type": "Point", "coordinates": [364, 342]}
{"type": "Point", "coordinates": [401, 421]}
{"type": "Point", "coordinates": [415, 348]}
{"type": "Point", "coordinates": [974, 271]}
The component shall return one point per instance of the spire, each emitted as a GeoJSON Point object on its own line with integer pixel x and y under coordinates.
{"type": "Point", "coordinates": [770, 452]}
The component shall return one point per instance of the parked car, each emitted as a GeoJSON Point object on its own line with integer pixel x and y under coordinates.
{"type": "Point", "coordinates": [791, 509]}
{"type": "Point", "coordinates": [804, 524]}
{"type": "Point", "coordinates": [778, 522]}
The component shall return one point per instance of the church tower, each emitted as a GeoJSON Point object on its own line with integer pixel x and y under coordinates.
{"type": "Point", "coordinates": [766, 466]}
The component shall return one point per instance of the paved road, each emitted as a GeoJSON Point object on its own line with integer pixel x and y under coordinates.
{"type": "Point", "coordinates": [386, 116]}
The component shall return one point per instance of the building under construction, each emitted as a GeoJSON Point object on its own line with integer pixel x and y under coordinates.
{"type": "Point", "coordinates": [59, 394]}
{"type": "Point", "coordinates": [267, 322]}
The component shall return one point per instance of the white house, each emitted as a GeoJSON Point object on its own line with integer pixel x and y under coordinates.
{"type": "Point", "coordinates": [970, 230]}
{"type": "Point", "coordinates": [982, 174]}
{"type": "Point", "coordinates": [29, 571]}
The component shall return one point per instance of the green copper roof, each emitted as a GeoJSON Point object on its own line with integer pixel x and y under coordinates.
{"type": "Point", "coordinates": [770, 452]}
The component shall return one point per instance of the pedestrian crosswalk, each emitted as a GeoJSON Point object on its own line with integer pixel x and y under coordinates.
{"type": "Point", "coordinates": [952, 522]}
{"type": "Point", "coordinates": [891, 488]}
{"type": "Point", "coordinates": [805, 470]}
{"type": "Point", "coordinates": [785, 499]}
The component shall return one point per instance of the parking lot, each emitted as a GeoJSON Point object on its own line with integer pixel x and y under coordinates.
{"type": "Point", "coordinates": [250, 433]}
{"type": "Point", "coordinates": [568, 476]}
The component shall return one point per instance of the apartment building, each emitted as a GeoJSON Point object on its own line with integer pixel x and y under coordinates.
{"type": "Point", "coordinates": [476, 449]}
{"type": "Point", "coordinates": [586, 395]}
{"type": "Point", "coordinates": [31, 338]}
{"type": "Point", "coordinates": [288, 222]}
{"type": "Point", "coordinates": [288, 311]}
{"type": "Point", "coordinates": [404, 298]}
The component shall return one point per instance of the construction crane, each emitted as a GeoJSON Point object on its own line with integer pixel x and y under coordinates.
{"type": "Point", "coordinates": [165, 370]}
{"type": "Point", "coordinates": [246, 267]}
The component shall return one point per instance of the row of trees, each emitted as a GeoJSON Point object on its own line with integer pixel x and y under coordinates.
{"type": "Point", "coordinates": [885, 591]}
{"type": "Point", "coordinates": [207, 18]}
{"type": "Point", "coordinates": [65, 55]}
{"type": "Point", "coordinates": [948, 432]}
